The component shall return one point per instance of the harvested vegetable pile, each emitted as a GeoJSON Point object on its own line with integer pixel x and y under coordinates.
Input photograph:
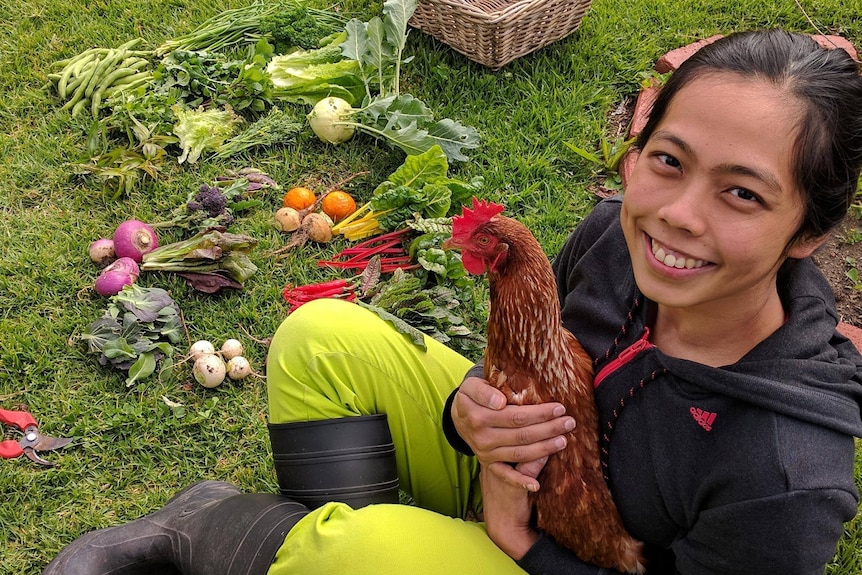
{"type": "Point", "coordinates": [247, 80]}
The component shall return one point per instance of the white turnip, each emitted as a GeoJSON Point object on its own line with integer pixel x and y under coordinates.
{"type": "Point", "coordinates": [288, 219]}
{"type": "Point", "coordinates": [317, 227]}
{"type": "Point", "coordinates": [200, 348]}
{"type": "Point", "coordinates": [102, 252]}
{"type": "Point", "coordinates": [231, 348]}
{"type": "Point", "coordinates": [238, 368]}
{"type": "Point", "coordinates": [133, 239]}
{"type": "Point", "coordinates": [209, 370]}
{"type": "Point", "coordinates": [326, 120]}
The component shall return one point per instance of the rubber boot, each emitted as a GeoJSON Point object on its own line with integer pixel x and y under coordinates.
{"type": "Point", "coordinates": [347, 459]}
{"type": "Point", "coordinates": [209, 528]}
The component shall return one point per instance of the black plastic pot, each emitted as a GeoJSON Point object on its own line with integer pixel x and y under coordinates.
{"type": "Point", "coordinates": [349, 459]}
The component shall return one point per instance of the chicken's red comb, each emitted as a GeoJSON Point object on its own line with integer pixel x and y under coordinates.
{"type": "Point", "coordinates": [482, 212]}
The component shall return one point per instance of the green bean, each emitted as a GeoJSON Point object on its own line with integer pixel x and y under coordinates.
{"type": "Point", "coordinates": [117, 88]}
{"type": "Point", "coordinates": [99, 72]}
{"type": "Point", "coordinates": [106, 82]}
{"type": "Point", "coordinates": [79, 105]}
{"type": "Point", "coordinates": [80, 65]}
{"type": "Point", "coordinates": [79, 91]}
{"type": "Point", "coordinates": [73, 68]}
{"type": "Point", "coordinates": [146, 75]}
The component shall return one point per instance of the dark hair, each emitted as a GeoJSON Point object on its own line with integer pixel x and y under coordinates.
{"type": "Point", "coordinates": [828, 147]}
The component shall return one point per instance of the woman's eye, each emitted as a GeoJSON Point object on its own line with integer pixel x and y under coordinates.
{"type": "Point", "coordinates": [744, 194]}
{"type": "Point", "coordinates": [669, 160]}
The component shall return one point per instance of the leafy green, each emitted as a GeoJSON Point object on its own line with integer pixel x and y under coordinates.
{"type": "Point", "coordinates": [276, 127]}
{"type": "Point", "coordinates": [420, 186]}
{"type": "Point", "coordinates": [378, 46]}
{"type": "Point", "coordinates": [199, 130]}
{"type": "Point", "coordinates": [215, 79]}
{"type": "Point", "coordinates": [137, 330]}
{"type": "Point", "coordinates": [307, 76]}
{"type": "Point", "coordinates": [414, 310]}
{"type": "Point", "coordinates": [208, 251]}
{"type": "Point", "coordinates": [292, 25]}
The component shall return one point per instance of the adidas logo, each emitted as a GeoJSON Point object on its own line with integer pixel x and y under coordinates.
{"type": "Point", "coordinates": [703, 418]}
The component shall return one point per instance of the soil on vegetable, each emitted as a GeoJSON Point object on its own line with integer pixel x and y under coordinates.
{"type": "Point", "coordinates": [841, 254]}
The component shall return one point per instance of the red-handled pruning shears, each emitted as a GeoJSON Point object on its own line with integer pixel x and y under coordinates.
{"type": "Point", "coordinates": [31, 442]}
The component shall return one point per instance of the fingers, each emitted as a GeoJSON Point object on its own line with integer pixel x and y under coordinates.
{"type": "Point", "coordinates": [511, 434]}
{"type": "Point", "coordinates": [522, 475]}
{"type": "Point", "coordinates": [481, 393]}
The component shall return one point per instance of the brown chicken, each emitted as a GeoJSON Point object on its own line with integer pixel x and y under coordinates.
{"type": "Point", "coordinates": [532, 358]}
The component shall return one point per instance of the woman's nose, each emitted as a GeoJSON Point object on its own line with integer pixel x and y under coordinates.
{"type": "Point", "coordinates": [688, 210]}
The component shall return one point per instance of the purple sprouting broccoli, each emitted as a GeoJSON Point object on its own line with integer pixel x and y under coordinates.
{"type": "Point", "coordinates": [214, 206]}
{"type": "Point", "coordinates": [210, 200]}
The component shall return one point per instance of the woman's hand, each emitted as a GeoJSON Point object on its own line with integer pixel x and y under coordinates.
{"type": "Point", "coordinates": [497, 432]}
{"type": "Point", "coordinates": [507, 508]}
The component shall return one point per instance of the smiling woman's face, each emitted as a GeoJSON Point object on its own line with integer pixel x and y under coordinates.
{"type": "Point", "coordinates": [711, 205]}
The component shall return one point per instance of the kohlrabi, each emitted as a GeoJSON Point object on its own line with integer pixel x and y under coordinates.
{"type": "Point", "coordinates": [401, 120]}
{"type": "Point", "coordinates": [330, 120]}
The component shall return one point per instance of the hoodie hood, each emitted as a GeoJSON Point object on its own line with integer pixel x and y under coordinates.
{"type": "Point", "coordinates": [805, 370]}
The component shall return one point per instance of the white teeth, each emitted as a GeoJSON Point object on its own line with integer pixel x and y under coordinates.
{"type": "Point", "coordinates": [674, 261]}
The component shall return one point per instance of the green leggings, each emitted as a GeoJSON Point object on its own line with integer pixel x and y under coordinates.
{"type": "Point", "coordinates": [334, 359]}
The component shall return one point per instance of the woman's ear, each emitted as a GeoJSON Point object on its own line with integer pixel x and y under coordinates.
{"type": "Point", "coordinates": [805, 246]}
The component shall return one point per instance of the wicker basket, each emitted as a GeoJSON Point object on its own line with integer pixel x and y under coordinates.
{"type": "Point", "coordinates": [495, 32]}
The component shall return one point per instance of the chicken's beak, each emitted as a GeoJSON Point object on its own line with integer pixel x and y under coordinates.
{"type": "Point", "coordinates": [451, 244]}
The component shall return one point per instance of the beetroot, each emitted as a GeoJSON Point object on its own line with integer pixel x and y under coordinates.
{"type": "Point", "coordinates": [133, 239]}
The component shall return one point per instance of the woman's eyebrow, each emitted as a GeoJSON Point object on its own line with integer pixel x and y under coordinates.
{"type": "Point", "coordinates": [766, 177]}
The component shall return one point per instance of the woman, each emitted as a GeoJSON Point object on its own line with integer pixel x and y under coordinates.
{"type": "Point", "coordinates": [733, 452]}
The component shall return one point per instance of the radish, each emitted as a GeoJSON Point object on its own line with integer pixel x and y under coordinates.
{"type": "Point", "coordinates": [209, 370]}
{"type": "Point", "coordinates": [231, 348]}
{"type": "Point", "coordinates": [201, 348]}
{"type": "Point", "coordinates": [102, 252]}
{"type": "Point", "coordinates": [238, 368]}
{"type": "Point", "coordinates": [116, 276]}
{"type": "Point", "coordinates": [134, 238]}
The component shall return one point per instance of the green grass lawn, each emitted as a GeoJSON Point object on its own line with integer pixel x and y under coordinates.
{"type": "Point", "coordinates": [131, 449]}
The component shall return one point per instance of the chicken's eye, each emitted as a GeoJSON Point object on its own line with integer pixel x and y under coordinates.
{"type": "Point", "coordinates": [483, 240]}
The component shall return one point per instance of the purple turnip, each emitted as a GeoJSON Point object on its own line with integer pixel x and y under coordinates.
{"type": "Point", "coordinates": [102, 252]}
{"type": "Point", "coordinates": [127, 265]}
{"type": "Point", "coordinates": [116, 276]}
{"type": "Point", "coordinates": [133, 239]}
{"type": "Point", "coordinates": [112, 282]}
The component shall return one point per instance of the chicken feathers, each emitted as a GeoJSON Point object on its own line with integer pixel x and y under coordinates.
{"type": "Point", "coordinates": [532, 358]}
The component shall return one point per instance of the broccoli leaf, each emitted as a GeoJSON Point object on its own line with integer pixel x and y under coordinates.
{"type": "Point", "coordinates": [145, 303]}
{"type": "Point", "coordinates": [142, 368]}
{"type": "Point", "coordinates": [100, 332]}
